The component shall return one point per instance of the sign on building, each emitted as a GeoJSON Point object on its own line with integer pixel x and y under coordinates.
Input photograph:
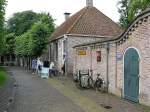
{"type": "Point", "coordinates": [81, 52]}
{"type": "Point", "coordinates": [119, 56]}
{"type": "Point", "coordinates": [98, 53]}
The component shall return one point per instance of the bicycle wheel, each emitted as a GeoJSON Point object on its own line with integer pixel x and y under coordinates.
{"type": "Point", "coordinates": [98, 84]}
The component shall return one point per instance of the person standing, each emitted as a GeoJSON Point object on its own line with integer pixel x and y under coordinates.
{"type": "Point", "coordinates": [39, 66]}
{"type": "Point", "coordinates": [64, 67]}
{"type": "Point", "coordinates": [46, 64]}
{"type": "Point", "coordinates": [51, 69]}
{"type": "Point", "coordinates": [34, 65]}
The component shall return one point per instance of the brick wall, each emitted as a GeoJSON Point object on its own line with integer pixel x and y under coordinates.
{"type": "Point", "coordinates": [138, 39]}
{"type": "Point", "coordinates": [71, 42]}
{"type": "Point", "coordinates": [89, 61]}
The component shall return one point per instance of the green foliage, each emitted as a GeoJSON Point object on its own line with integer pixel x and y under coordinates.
{"type": "Point", "coordinates": [136, 7]}
{"type": "Point", "coordinates": [123, 10]}
{"type": "Point", "coordinates": [48, 20]}
{"type": "Point", "coordinates": [129, 9]}
{"type": "Point", "coordinates": [22, 45]}
{"type": "Point", "coordinates": [39, 34]}
{"type": "Point", "coordinates": [21, 22]}
{"type": "Point", "coordinates": [2, 13]}
{"type": "Point", "coordinates": [32, 31]}
{"type": "Point", "coordinates": [3, 76]}
{"type": "Point", "coordinates": [2, 19]}
{"type": "Point", "coordinates": [33, 42]}
{"type": "Point", "coordinates": [18, 47]}
{"type": "Point", "coordinates": [9, 43]}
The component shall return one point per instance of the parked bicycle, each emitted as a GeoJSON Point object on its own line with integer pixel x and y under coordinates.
{"type": "Point", "coordinates": [98, 83]}
{"type": "Point", "coordinates": [86, 80]}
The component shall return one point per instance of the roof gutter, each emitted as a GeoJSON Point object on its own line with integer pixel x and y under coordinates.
{"type": "Point", "coordinates": [80, 35]}
{"type": "Point", "coordinates": [97, 42]}
{"type": "Point", "coordinates": [56, 38]}
{"type": "Point", "coordinates": [83, 35]}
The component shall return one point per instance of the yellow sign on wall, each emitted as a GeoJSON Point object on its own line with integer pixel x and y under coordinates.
{"type": "Point", "coordinates": [81, 52]}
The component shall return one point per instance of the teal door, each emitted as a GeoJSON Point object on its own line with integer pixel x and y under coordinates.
{"type": "Point", "coordinates": [131, 75]}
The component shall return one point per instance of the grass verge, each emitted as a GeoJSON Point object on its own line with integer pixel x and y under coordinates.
{"type": "Point", "coordinates": [3, 76]}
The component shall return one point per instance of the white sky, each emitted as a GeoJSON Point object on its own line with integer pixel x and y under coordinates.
{"type": "Point", "coordinates": [57, 7]}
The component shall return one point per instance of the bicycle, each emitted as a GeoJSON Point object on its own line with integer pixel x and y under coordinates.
{"type": "Point", "coordinates": [81, 78]}
{"type": "Point", "coordinates": [84, 78]}
{"type": "Point", "coordinates": [97, 84]}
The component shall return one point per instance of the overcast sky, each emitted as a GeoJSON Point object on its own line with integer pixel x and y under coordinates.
{"type": "Point", "coordinates": [57, 7]}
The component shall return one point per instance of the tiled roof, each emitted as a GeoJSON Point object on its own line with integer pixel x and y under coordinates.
{"type": "Point", "coordinates": [143, 17]}
{"type": "Point", "coordinates": [88, 21]}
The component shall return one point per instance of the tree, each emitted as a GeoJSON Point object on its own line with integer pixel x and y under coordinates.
{"type": "Point", "coordinates": [136, 7]}
{"type": "Point", "coordinates": [22, 45]}
{"type": "Point", "coordinates": [2, 19]}
{"type": "Point", "coordinates": [32, 31]}
{"type": "Point", "coordinates": [47, 19]}
{"type": "Point", "coordinates": [18, 46]}
{"type": "Point", "coordinates": [33, 42]}
{"type": "Point", "coordinates": [21, 22]}
{"type": "Point", "coordinates": [9, 43]}
{"type": "Point", "coordinates": [39, 37]}
{"type": "Point", "coordinates": [8, 47]}
{"type": "Point", "coordinates": [129, 9]}
{"type": "Point", "coordinates": [123, 10]}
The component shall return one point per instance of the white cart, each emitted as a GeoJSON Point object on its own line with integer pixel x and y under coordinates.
{"type": "Point", "coordinates": [45, 72]}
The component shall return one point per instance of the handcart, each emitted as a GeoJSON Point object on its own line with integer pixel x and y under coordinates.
{"type": "Point", "coordinates": [45, 72]}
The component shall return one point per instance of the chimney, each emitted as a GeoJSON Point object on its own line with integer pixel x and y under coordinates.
{"type": "Point", "coordinates": [89, 3]}
{"type": "Point", "coordinates": [67, 15]}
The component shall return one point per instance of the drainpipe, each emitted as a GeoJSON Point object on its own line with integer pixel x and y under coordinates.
{"type": "Point", "coordinates": [107, 71]}
{"type": "Point", "coordinates": [66, 54]}
{"type": "Point", "coordinates": [116, 76]}
{"type": "Point", "coordinates": [91, 70]}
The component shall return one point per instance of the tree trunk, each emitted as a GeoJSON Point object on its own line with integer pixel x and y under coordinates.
{"type": "Point", "coordinates": [5, 60]}
{"type": "Point", "coordinates": [30, 62]}
{"type": "Point", "coordinates": [10, 60]}
{"type": "Point", "coordinates": [0, 59]}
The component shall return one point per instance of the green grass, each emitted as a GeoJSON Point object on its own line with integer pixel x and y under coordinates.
{"type": "Point", "coordinates": [3, 76]}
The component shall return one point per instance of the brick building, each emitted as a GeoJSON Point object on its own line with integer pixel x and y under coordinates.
{"type": "Point", "coordinates": [87, 25]}
{"type": "Point", "coordinates": [123, 61]}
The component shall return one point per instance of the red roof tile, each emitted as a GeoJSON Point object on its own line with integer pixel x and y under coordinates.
{"type": "Point", "coordinates": [88, 21]}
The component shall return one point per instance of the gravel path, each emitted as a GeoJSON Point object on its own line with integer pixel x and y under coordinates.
{"type": "Point", "coordinates": [36, 95]}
